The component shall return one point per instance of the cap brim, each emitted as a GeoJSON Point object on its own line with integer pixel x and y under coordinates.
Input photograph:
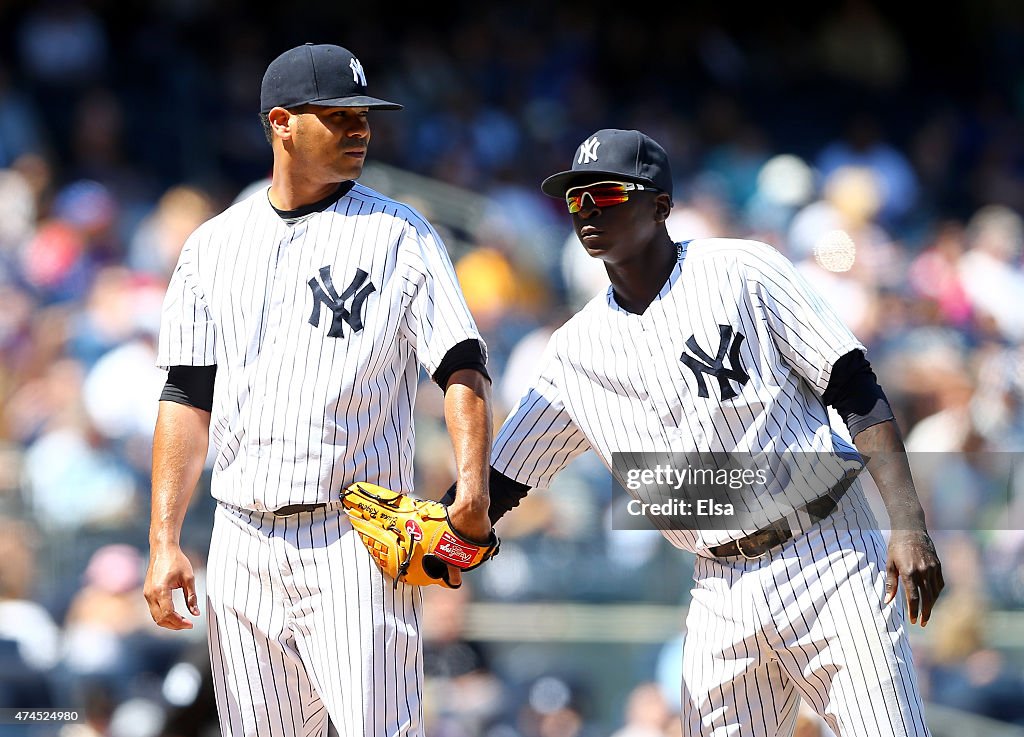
{"type": "Point", "coordinates": [359, 101]}
{"type": "Point", "coordinates": [557, 184]}
{"type": "Point", "coordinates": [373, 103]}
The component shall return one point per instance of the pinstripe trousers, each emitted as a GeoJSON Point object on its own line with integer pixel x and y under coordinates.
{"type": "Point", "coordinates": [807, 621]}
{"type": "Point", "coordinates": [303, 626]}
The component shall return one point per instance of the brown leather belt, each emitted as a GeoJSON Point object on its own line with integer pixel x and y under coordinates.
{"type": "Point", "coordinates": [757, 544]}
{"type": "Point", "coordinates": [291, 509]}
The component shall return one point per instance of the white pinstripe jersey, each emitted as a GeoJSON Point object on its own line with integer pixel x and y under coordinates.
{"type": "Point", "coordinates": [318, 329]}
{"type": "Point", "coordinates": [618, 382]}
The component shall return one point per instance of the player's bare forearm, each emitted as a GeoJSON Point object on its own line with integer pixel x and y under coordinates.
{"type": "Point", "coordinates": [883, 446]}
{"type": "Point", "coordinates": [180, 443]}
{"type": "Point", "coordinates": [912, 555]}
{"type": "Point", "coordinates": [467, 412]}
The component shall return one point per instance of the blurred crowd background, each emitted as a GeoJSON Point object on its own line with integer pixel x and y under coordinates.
{"type": "Point", "coordinates": [123, 125]}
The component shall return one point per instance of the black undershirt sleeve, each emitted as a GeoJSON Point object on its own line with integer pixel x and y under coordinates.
{"type": "Point", "coordinates": [464, 355]}
{"type": "Point", "coordinates": [854, 392]}
{"type": "Point", "coordinates": [505, 494]}
{"type": "Point", "coordinates": [191, 385]}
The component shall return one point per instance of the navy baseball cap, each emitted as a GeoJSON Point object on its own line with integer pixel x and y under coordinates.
{"type": "Point", "coordinates": [611, 153]}
{"type": "Point", "coordinates": [317, 74]}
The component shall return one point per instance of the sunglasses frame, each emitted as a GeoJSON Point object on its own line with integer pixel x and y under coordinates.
{"type": "Point", "coordinates": [627, 186]}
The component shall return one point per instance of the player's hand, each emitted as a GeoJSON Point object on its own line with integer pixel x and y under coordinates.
{"type": "Point", "coordinates": [912, 560]}
{"type": "Point", "coordinates": [470, 520]}
{"type": "Point", "coordinates": [169, 569]}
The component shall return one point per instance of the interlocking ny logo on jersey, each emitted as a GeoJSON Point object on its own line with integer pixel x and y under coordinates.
{"type": "Point", "coordinates": [716, 366]}
{"type": "Point", "coordinates": [588, 150]}
{"type": "Point", "coordinates": [358, 75]}
{"type": "Point", "coordinates": [328, 296]}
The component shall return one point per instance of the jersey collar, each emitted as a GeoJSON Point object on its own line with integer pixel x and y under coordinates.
{"type": "Point", "coordinates": [318, 206]}
{"type": "Point", "coordinates": [662, 293]}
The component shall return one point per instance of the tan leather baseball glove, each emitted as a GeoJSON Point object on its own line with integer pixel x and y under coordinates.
{"type": "Point", "coordinates": [412, 540]}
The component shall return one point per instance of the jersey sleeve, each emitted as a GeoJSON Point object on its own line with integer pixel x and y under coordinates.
{"type": "Point", "coordinates": [187, 334]}
{"type": "Point", "coordinates": [437, 317]}
{"type": "Point", "coordinates": [538, 438]}
{"type": "Point", "coordinates": [807, 331]}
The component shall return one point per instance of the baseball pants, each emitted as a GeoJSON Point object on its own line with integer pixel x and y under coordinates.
{"type": "Point", "coordinates": [805, 620]}
{"type": "Point", "coordinates": [303, 626]}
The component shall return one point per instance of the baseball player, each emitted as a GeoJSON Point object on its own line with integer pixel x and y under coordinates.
{"type": "Point", "coordinates": [294, 328]}
{"type": "Point", "coordinates": [719, 345]}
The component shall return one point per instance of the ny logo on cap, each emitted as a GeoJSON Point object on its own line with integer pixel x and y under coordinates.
{"type": "Point", "coordinates": [588, 150]}
{"type": "Point", "coordinates": [358, 75]}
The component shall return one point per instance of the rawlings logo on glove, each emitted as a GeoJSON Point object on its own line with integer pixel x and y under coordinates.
{"type": "Point", "coordinates": [449, 549]}
{"type": "Point", "coordinates": [412, 540]}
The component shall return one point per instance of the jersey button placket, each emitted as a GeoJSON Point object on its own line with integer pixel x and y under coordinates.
{"type": "Point", "coordinates": [273, 314]}
{"type": "Point", "coordinates": [660, 347]}
{"type": "Point", "coordinates": [647, 337]}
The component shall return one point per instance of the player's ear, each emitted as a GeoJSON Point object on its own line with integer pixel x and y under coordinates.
{"type": "Point", "coordinates": [662, 206]}
{"type": "Point", "coordinates": [281, 122]}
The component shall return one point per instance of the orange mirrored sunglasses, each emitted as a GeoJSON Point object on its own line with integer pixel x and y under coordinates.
{"type": "Point", "coordinates": [602, 194]}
